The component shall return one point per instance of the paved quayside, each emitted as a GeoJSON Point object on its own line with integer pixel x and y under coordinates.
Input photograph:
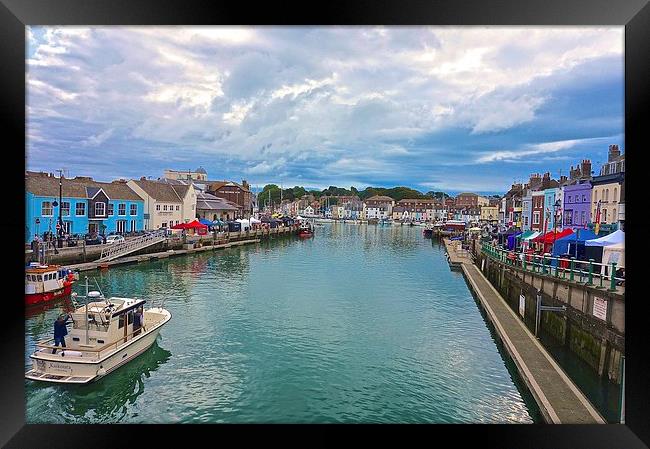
{"type": "Point", "coordinates": [559, 400]}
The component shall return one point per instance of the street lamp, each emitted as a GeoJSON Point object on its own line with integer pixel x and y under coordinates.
{"type": "Point", "coordinates": [556, 210]}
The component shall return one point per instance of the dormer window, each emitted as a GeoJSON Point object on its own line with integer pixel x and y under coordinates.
{"type": "Point", "coordinates": [100, 209]}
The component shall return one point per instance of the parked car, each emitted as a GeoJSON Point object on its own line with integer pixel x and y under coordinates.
{"type": "Point", "coordinates": [115, 238]}
{"type": "Point", "coordinates": [94, 239]}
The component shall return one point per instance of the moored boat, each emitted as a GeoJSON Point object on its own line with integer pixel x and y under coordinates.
{"type": "Point", "coordinates": [305, 230]}
{"type": "Point", "coordinates": [45, 283]}
{"type": "Point", "coordinates": [105, 334]}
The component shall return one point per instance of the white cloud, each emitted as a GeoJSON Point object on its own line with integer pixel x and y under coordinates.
{"type": "Point", "coordinates": [313, 93]}
{"type": "Point", "coordinates": [535, 149]}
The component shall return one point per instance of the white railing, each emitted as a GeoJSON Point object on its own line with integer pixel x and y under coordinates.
{"type": "Point", "coordinates": [116, 250]}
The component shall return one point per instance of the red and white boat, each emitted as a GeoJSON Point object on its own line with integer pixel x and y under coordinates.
{"type": "Point", "coordinates": [45, 283]}
{"type": "Point", "coordinates": [305, 230]}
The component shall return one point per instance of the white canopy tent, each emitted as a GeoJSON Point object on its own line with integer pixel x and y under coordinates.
{"type": "Point", "coordinates": [244, 223]}
{"type": "Point", "coordinates": [613, 253]}
{"type": "Point", "coordinates": [254, 221]}
{"type": "Point", "coordinates": [610, 239]}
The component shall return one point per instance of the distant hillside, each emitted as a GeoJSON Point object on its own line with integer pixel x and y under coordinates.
{"type": "Point", "coordinates": [396, 193]}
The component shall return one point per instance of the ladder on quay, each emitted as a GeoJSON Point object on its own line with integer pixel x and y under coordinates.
{"type": "Point", "coordinates": [116, 250]}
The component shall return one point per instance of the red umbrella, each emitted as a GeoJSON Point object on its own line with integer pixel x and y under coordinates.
{"type": "Point", "coordinates": [180, 226]}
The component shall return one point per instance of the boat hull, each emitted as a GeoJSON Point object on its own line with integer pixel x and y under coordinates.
{"type": "Point", "coordinates": [32, 299]}
{"type": "Point", "coordinates": [59, 369]}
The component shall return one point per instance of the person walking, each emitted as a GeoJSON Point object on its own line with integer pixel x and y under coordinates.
{"type": "Point", "coordinates": [60, 331]}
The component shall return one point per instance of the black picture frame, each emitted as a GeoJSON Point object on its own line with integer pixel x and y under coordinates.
{"type": "Point", "coordinates": [16, 14]}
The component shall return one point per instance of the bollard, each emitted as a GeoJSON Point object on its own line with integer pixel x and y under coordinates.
{"type": "Point", "coordinates": [591, 271]}
{"type": "Point", "coordinates": [612, 278]}
{"type": "Point", "coordinates": [573, 264]}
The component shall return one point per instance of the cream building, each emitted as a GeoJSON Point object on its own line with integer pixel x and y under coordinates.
{"type": "Point", "coordinates": [606, 190]}
{"type": "Point", "coordinates": [165, 205]}
{"type": "Point", "coordinates": [489, 213]}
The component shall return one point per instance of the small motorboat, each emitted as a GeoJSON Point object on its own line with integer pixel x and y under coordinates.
{"type": "Point", "coordinates": [428, 231]}
{"type": "Point", "coordinates": [105, 335]}
{"type": "Point", "coordinates": [305, 230]}
{"type": "Point", "coordinates": [45, 283]}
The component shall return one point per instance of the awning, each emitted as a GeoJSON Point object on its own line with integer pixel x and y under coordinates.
{"type": "Point", "coordinates": [206, 222]}
{"type": "Point", "coordinates": [194, 225]}
{"type": "Point", "coordinates": [579, 236]}
{"type": "Point", "coordinates": [552, 236]}
{"type": "Point", "coordinates": [524, 235]}
{"type": "Point", "coordinates": [610, 239]}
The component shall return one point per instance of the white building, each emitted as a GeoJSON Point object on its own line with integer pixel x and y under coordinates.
{"type": "Point", "coordinates": [165, 205]}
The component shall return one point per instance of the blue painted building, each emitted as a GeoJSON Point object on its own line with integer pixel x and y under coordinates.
{"type": "Point", "coordinates": [550, 197]}
{"type": "Point", "coordinates": [87, 206]}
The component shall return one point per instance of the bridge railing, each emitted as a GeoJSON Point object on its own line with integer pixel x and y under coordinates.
{"type": "Point", "coordinates": [131, 245]}
{"type": "Point", "coordinates": [588, 272]}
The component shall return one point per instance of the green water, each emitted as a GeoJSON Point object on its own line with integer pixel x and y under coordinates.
{"type": "Point", "coordinates": [361, 323]}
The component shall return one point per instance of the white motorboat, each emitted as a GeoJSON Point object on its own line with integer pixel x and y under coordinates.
{"type": "Point", "coordinates": [104, 336]}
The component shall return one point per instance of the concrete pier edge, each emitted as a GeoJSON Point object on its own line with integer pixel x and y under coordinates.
{"type": "Point", "coordinates": [547, 410]}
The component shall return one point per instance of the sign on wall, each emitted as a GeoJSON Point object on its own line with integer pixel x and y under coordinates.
{"type": "Point", "coordinates": [522, 305]}
{"type": "Point", "coordinates": [600, 308]}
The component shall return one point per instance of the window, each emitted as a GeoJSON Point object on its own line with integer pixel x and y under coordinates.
{"type": "Point", "coordinates": [164, 224]}
{"type": "Point", "coordinates": [46, 209]}
{"type": "Point", "coordinates": [582, 220]}
{"type": "Point", "coordinates": [178, 207]}
{"type": "Point", "coordinates": [606, 195]}
{"type": "Point", "coordinates": [65, 208]}
{"type": "Point", "coordinates": [604, 220]}
{"type": "Point", "coordinates": [121, 322]}
{"type": "Point", "coordinates": [595, 196]}
{"type": "Point", "coordinates": [584, 198]}
{"type": "Point", "coordinates": [157, 206]}
{"type": "Point", "coordinates": [615, 192]}
{"type": "Point", "coordinates": [121, 209]}
{"type": "Point", "coordinates": [100, 209]}
{"type": "Point", "coordinates": [133, 210]}
{"type": "Point", "coordinates": [165, 207]}
{"type": "Point", "coordinates": [130, 317]}
{"type": "Point", "coordinates": [536, 217]}
{"type": "Point", "coordinates": [111, 210]}
{"type": "Point", "coordinates": [132, 225]}
{"type": "Point", "coordinates": [80, 210]}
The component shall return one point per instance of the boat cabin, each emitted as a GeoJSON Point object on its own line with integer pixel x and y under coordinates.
{"type": "Point", "coordinates": [43, 278]}
{"type": "Point", "coordinates": [107, 321]}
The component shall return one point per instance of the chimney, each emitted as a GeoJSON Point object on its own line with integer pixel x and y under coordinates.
{"type": "Point", "coordinates": [614, 152]}
{"type": "Point", "coordinates": [586, 168]}
{"type": "Point", "coordinates": [143, 178]}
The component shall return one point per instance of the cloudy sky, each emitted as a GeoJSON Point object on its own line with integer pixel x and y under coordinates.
{"type": "Point", "coordinates": [433, 108]}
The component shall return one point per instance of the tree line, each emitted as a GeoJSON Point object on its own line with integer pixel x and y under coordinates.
{"type": "Point", "coordinates": [271, 193]}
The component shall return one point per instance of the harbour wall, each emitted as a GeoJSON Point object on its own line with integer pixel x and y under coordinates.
{"type": "Point", "coordinates": [88, 253]}
{"type": "Point", "coordinates": [600, 343]}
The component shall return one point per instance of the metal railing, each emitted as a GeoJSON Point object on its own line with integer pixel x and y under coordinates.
{"type": "Point", "coordinates": [116, 250]}
{"type": "Point", "coordinates": [589, 272]}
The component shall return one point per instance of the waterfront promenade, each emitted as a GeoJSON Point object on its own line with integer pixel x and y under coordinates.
{"type": "Point", "coordinates": [559, 400]}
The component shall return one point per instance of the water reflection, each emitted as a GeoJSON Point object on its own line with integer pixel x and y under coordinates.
{"type": "Point", "coordinates": [109, 399]}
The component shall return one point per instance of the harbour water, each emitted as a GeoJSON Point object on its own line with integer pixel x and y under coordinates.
{"type": "Point", "coordinates": [363, 323]}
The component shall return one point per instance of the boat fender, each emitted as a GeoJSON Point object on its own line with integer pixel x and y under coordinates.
{"type": "Point", "coordinates": [101, 371]}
